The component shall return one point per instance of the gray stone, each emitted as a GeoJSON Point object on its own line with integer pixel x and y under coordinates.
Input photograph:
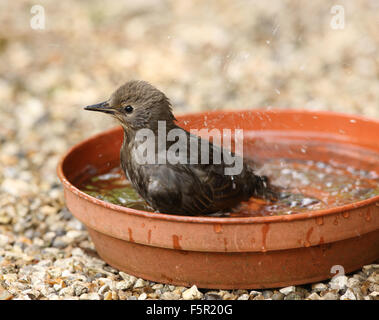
{"type": "Point", "coordinates": [277, 296]}
{"type": "Point", "coordinates": [212, 296]}
{"type": "Point", "coordinates": [267, 294]}
{"type": "Point", "coordinates": [292, 296]}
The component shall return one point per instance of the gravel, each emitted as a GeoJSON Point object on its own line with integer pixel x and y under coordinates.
{"type": "Point", "coordinates": [214, 55]}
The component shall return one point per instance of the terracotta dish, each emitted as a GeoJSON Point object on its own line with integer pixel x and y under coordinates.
{"type": "Point", "coordinates": [243, 252]}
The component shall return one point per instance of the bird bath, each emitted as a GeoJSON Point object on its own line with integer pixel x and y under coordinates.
{"type": "Point", "coordinates": [240, 251]}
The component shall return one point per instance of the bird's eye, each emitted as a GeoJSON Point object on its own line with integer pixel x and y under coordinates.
{"type": "Point", "coordinates": [128, 109]}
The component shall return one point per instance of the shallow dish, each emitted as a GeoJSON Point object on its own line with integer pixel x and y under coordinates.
{"type": "Point", "coordinates": [243, 252]}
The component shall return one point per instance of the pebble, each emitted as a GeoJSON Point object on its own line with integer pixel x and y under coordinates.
{"type": "Point", "coordinates": [140, 283]}
{"type": "Point", "coordinates": [255, 293]}
{"type": "Point", "coordinates": [108, 295]}
{"type": "Point", "coordinates": [192, 294]}
{"type": "Point", "coordinates": [5, 294]}
{"type": "Point", "coordinates": [292, 296]}
{"type": "Point", "coordinates": [157, 286]}
{"type": "Point", "coordinates": [339, 283]}
{"type": "Point", "coordinates": [15, 187]}
{"type": "Point", "coordinates": [124, 285]}
{"type": "Point", "coordinates": [319, 287]}
{"type": "Point", "coordinates": [103, 289]}
{"type": "Point", "coordinates": [352, 282]}
{"type": "Point", "coordinates": [368, 269]}
{"type": "Point", "coordinates": [3, 240]}
{"type": "Point", "coordinates": [90, 296]}
{"type": "Point", "coordinates": [75, 235]}
{"type": "Point", "coordinates": [212, 296]}
{"type": "Point", "coordinates": [374, 277]}
{"type": "Point", "coordinates": [128, 277]}
{"type": "Point", "coordinates": [143, 296]}
{"type": "Point", "coordinates": [287, 290]}
{"type": "Point", "coordinates": [314, 296]}
{"type": "Point", "coordinates": [68, 291]}
{"type": "Point", "coordinates": [277, 296]}
{"type": "Point", "coordinates": [348, 295]}
{"type": "Point", "coordinates": [267, 294]}
{"type": "Point", "coordinates": [330, 296]}
{"type": "Point", "coordinates": [79, 289]}
{"type": "Point", "coordinates": [169, 296]}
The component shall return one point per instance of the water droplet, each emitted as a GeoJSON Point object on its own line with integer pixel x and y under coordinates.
{"type": "Point", "coordinates": [320, 221]}
{"type": "Point", "coordinates": [217, 228]}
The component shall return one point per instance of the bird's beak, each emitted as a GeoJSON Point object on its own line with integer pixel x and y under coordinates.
{"type": "Point", "coordinates": [101, 107]}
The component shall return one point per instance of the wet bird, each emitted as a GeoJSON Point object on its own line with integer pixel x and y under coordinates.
{"type": "Point", "coordinates": [184, 188]}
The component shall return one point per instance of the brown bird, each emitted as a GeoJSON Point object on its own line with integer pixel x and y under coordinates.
{"type": "Point", "coordinates": [184, 188]}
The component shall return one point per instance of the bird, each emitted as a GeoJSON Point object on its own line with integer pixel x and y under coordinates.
{"type": "Point", "coordinates": [189, 188]}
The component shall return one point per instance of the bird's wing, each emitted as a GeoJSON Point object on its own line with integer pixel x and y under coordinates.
{"type": "Point", "coordinates": [176, 189]}
{"type": "Point", "coordinates": [224, 187]}
{"type": "Point", "coordinates": [196, 188]}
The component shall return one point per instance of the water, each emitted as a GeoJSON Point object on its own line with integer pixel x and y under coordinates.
{"type": "Point", "coordinates": [305, 185]}
{"type": "Point", "coordinates": [114, 188]}
{"type": "Point", "coordinates": [308, 185]}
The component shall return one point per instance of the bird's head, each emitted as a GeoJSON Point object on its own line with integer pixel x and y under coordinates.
{"type": "Point", "coordinates": [137, 105]}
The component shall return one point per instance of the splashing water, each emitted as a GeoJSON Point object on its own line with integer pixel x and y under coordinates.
{"type": "Point", "coordinates": [305, 185]}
